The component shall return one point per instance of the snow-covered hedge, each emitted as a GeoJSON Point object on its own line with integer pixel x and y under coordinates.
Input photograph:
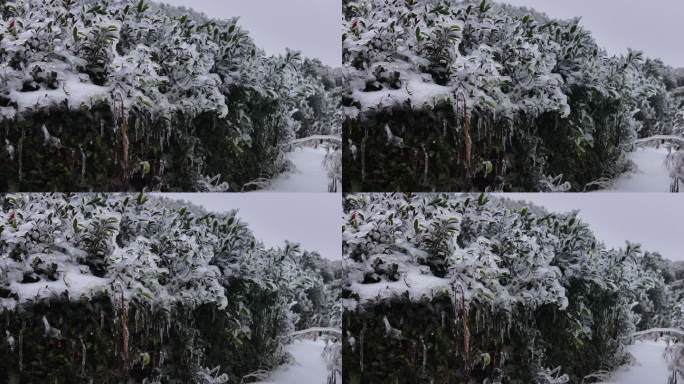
{"type": "Point", "coordinates": [475, 95]}
{"type": "Point", "coordinates": [457, 288]}
{"type": "Point", "coordinates": [122, 287]}
{"type": "Point", "coordinates": [121, 95]}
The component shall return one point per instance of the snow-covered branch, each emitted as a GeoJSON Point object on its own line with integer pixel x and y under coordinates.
{"type": "Point", "coordinates": [660, 138]}
{"type": "Point", "coordinates": [336, 139]}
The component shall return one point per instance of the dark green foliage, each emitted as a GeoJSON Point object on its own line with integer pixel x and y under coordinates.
{"type": "Point", "coordinates": [168, 346]}
{"type": "Point", "coordinates": [431, 347]}
{"type": "Point", "coordinates": [381, 166]}
{"type": "Point", "coordinates": [167, 154]}
{"type": "Point", "coordinates": [97, 52]}
{"type": "Point", "coordinates": [98, 244]}
{"type": "Point", "coordinates": [506, 155]}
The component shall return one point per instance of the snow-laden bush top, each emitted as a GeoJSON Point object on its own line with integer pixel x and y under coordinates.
{"type": "Point", "coordinates": [148, 250]}
{"type": "Point", "coordinates": [140, 55]}
{"type": "Point", "coordinates": [507, 60]}
{"type": "Point", "coordinates": [501, 254]}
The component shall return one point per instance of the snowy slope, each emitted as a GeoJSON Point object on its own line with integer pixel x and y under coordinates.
{"type": "Point", "coordinates": [309, 174]}
{"type": "Point", "coordinates": [650, 174]}
{"type": "Point", "coordinates": [308, 366]}
{"type": "Point", "coordinates": [650, 366]}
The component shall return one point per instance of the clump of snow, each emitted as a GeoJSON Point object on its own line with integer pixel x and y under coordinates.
{"type": "Point", "coordinates": [74, 92]}
{"type": "Point", "coordinates": [417, 282]}
{"type": "Point", "coordinates": [418, 90]}
{"type": "Point", "coordinates": [73, 282]}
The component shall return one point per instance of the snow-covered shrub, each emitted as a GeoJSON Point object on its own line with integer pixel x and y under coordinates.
{"type": "Point", "coordinates": [120, 288]}
{"type": "Point", "coordinates": [211, 376]}
{"type": "Point", "coordinates": [332, 354]}
{"type": "Point", "coordinates": [458, 288]}
{"type": "Point", "coordinates": [141, 95]}
{"type": "Point", "coordinates": [485, 96]}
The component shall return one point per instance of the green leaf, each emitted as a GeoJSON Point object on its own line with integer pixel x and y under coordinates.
{"type": "Point", "coordinates": [486, 359]}
{"type": "Point", "coordinates": [145, 166]}
{"type": "Point", "coordinates": [488, 166]}
{"type": "Point", "coordinates": [142, 199]}
{"type": "Point", "coordinates": [484, 7]}
{"type": "Point", "coordinates": [145, 358]}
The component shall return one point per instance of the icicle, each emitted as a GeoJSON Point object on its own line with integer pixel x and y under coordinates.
{"type": "Point", "coordinates": [363, 154]}
{"type": "Point", "coordinates": [21, 349]}
{"type": "Point", "coordinates": [21, 160]}
{"type": "Point", "coordinates": [83, 355]}
{"type": "Point", "coordinates": [426, 164]}
{"type": "Point", "coordinates": [363, 330]}
{"type": "Point", "coordinates": [83, 165]}
{"type": "Point", "coordinates": [424, 354]}
{"type": "Point", "coordinates": [10, 149]}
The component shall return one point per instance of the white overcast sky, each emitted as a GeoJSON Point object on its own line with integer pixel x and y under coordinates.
{"type": "Point", "coordinates": [312, 219]}
{"type": "Point", "coordinates": [653, 26]}
{"type": "Point", "coordinates": [310, 26]}
{"type": "Point", "coordinates": [654, 220]}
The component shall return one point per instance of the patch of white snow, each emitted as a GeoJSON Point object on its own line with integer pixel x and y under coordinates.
{"type": "Point", "coordinates": [650, 365]}
{"type": "Point", "coordinates": [309, 175]}
{"type": "Point", "coordinates": [651, 174]}
{"type": "Point", "coordinates": [308, 366]}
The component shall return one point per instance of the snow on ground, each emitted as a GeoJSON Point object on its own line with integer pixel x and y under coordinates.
{"type": "Point", "coordinates": [308, 366]}
{"type": "Point", "coordinates": [309, 174]}
{"type": "Point", "coordinates": [651, 174]}
{"type": "Point", "coordinates": [650, 365]}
